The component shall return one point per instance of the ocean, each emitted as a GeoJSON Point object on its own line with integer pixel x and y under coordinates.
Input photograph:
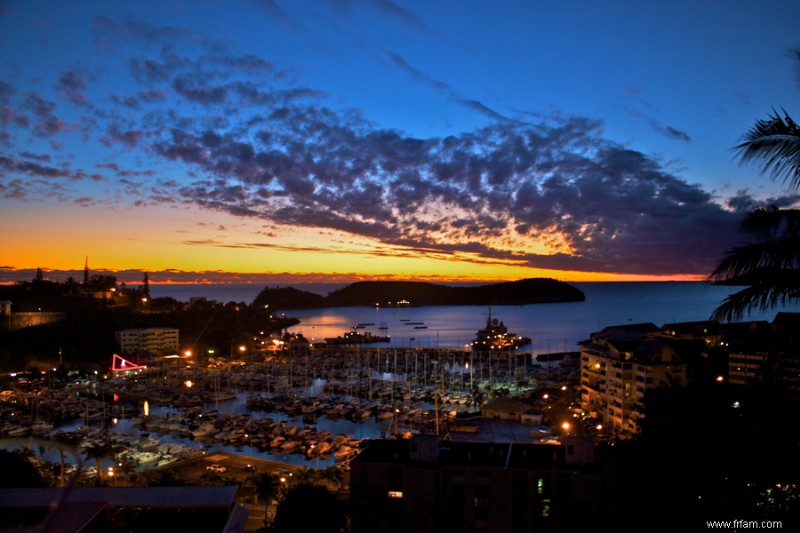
{"type": "Point", "coordinates": [552, 327]}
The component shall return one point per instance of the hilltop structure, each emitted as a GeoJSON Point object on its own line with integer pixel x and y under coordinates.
{"type": "Point", "coordinates": [157, 341]}
{"type": "Point", "coordinates": [10, 320]}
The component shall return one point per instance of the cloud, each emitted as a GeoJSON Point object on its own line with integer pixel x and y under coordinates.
{"type": "Point", "coordinates": [226, 132]}
{"type": "Point", "coordinates": [612, 209]}
{"type": "Point", "coordinates": [72, 83]}
{"type": "Point", "coordinates": [128, 138]}
{"type": "Point", "coordinates": [443, 87]}
{"type": "Point", "coordinates": [142, 97]}
{"type": "Point", "coordinates": [669, 131]}
{"type": "Point", "coordinates": [16, 166]}
{"type": "Point", "coordinates": [392, 10]}
{"type": "Point", "coordinates": [47, 123]}
{"type": "Point", "coordinates": [276, 12]}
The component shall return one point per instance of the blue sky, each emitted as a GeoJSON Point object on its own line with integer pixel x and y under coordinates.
{"type": "Point", "coordinates": [368, 138]}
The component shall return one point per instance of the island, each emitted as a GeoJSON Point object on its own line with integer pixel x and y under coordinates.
{"type": "Point", "coordinates": [416, 293]}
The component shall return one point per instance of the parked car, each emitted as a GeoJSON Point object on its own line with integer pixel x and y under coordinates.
{"type": "Point", "coordinates": [216, 468]}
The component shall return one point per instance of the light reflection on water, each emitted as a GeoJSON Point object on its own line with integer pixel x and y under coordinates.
{"type": "Point", "coordinates": [237, 406]}
{"type": "Point", "coordinates": [553, 327]}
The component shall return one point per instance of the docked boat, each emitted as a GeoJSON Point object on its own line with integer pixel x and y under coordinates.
{"type": "Point", "coordinates": [357, 337]}
{"type": "Point", "coordinates": [18, 431]}
{"type": "Point", "coordinates": [495, 337]}
{"type": "Point", "coordinates": [204, 430]}
{"type": "Point", "coordinates": [41, 427]}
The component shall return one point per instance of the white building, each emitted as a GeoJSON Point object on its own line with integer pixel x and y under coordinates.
{"type": "Point", "coordinates": [160, 341]}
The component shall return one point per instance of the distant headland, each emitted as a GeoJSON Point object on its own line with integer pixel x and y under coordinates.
{"type": "Point", "coordinates": [417, 293]}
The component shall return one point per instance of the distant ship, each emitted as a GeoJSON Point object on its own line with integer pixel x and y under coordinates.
{"type": "Point", "coordinates": [495, 337]}
{"type": "Point", "coordinates": [356, 337]}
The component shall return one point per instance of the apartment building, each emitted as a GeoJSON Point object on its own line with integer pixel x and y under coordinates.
{"type": "Point", "coordinates": [619, 364]}
{"type": "Point", "coordinates": [158, 341]}
{"type": "Point", "coordinates": [765, 351]}
{"type": "Point", "coordinates": [429, 485]}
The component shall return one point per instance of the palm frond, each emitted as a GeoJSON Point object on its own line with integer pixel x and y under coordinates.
{"type": "Point", "coordinates": [763, 296]}
{"type": "Point", "coordinates": [758, 261]}
{"type": "Point", "coordinates": [770, 222]}
{"type": "Point", "coordinates": [776, 143]}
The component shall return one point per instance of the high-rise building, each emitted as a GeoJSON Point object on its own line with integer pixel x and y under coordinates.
{"type": "Point", "coordinates": [428, 485]}
{"type": "Point", "coordinates": [619, 364]}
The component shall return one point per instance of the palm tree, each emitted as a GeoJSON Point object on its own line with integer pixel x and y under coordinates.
{"type": "Point", "coordinates": [775, 143]}
{"type": "Point", "coordinates": [267, 486]}
{"type": "Point", "coordinates": [212, 478]}
{"type": "Point", "coordinates": [305, 476]}
{"type": "Point", "coordinates": [98, 452]}
{"type": "Point", "coordinates": [770, 266]}
{"type": "Point", "coordinates": [332, 477]}
{"type": "Point", "coordinates": [309, 507]}
{"type": "Point", "coordinates": [127, 468]}
{"type": "Point", "coordinates": [59, 445]}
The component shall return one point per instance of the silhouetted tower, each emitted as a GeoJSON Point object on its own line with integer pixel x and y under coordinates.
{"type": "Point", "coordinates": [146, 286]}
{"type": "Point", "coordinates": [86, 272]}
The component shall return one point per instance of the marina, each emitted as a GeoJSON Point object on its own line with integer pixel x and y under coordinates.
{"type": "Point", "coordinates": [311, 407]}
{"type": "Point", "coordinates": [313, 403]}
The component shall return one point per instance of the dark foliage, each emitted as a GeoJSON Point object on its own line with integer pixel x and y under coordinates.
{"type": "Point", "coordinates": [17, 471]}
{"type": "Point", "coordinates": [308, 507]}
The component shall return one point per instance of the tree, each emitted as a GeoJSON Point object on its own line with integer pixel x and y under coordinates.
{"type": "Point", "coordinates": [63, 442]}
{"type": "Point", "coordinates": [267, 486]}
{"type": "Point", "coordinates": [161, 478]}
{"type": "Point", "coordinates": [770, 266]}
{"type": "Point", "coordinates": [212, 478]}
{"type": "Point", "coordinates": [305, 475]}
{"type": "Point", "coordinates": [126, 468]}
{"type": "Point", "coordinates": [332, 477]}
{"type": "Point", "coordinates": [327, 515]}
{"type": "Point", "coordinates": [146, 286]}
{"type": "Point", "coordinates": [99, 451]}
{"type": "Point", "coordinates": [18, 471]}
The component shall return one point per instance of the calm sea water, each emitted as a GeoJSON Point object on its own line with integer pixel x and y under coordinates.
{"type": "Point", "coordinates": [553, 327]}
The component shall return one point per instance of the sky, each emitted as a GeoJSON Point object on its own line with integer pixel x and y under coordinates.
{"type": "Point", "coordinates": [337, 140]}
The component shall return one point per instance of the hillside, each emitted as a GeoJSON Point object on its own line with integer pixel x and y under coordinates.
{"type": "Point", "coordinates": [413, 293]}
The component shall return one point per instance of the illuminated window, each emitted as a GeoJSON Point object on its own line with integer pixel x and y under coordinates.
{"type": "Point", "coordinates": [395, 494]}
{"type": "Point", "coordinates": [540, 486]}
{"type": "Point", "coordinates": [545, 512]}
